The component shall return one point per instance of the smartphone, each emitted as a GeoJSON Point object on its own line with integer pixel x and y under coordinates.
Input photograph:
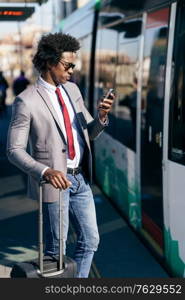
{"type": "Point", "coordinates": [108, 95]}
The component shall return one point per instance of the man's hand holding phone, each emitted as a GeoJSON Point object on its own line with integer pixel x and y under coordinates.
{"type": "Point", "coordinates": [105, 104]}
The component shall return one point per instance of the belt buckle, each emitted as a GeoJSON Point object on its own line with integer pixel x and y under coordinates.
{"type": "Point", "coordinates": [73, 172]}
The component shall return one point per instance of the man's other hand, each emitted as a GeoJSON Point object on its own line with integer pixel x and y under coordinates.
{"type": "Point", "coordinates": [57, 179]}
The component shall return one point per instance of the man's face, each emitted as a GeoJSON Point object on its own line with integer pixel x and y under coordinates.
{"type": "Point", "coordinates": [62, 72]}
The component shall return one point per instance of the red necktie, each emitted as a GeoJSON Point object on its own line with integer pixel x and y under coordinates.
{"type": "Point", "coordinates": [67, 122]}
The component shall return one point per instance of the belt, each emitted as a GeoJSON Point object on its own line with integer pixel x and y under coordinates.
{"type": "Point", "coordinates": [74, 171]}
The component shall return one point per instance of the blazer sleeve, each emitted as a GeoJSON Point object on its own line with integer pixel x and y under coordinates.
{"type": "Point", "coordinates": [17, 140]}
{"type": "Point", "coordinates": [94, 125]}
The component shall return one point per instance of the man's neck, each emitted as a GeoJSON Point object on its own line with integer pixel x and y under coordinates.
{"type": "Point", "coordinates": [47, 77]}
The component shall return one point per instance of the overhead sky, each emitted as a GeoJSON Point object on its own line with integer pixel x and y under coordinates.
{"type": "Point", "coordinates": [42, 16]}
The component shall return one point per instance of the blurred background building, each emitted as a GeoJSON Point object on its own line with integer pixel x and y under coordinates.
{"type": "Point", "coordinates": [19, 35]}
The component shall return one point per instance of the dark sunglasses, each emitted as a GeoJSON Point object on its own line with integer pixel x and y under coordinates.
{"type": "Point", "coordinates": [67, 65]}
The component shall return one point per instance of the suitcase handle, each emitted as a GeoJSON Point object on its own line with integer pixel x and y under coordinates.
{"type": "Point", "coordinates": [41, 256]}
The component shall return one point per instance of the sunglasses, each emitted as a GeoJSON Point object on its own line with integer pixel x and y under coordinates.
{"type": "Point", "coordinates": [67, 65]}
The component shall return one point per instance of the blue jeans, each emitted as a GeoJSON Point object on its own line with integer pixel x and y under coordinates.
{"type": "Point", "coordinates": [78, 199]}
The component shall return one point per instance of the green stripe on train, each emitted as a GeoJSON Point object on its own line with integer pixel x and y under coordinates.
{"type": "Point", "coordinates": [172, 256]}
{"type": "Point", "coordinates": [115, 185]}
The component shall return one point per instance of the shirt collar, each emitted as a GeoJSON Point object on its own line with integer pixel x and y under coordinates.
{"type": "Point", "coordinates": [46, 85]}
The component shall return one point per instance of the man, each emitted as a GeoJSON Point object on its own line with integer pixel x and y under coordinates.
{"type": "Point", "coordinates": [52, 115]}
{"type": "Point", "coordinates": [3, 88]}
{"type": "Point", "coordinates": [20, 83]}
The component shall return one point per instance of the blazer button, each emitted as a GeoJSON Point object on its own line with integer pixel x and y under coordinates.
{"type": "Point", "coordinates": [63, 150]}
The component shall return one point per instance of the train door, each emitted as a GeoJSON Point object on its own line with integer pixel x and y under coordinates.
{"type": "Point", "coordinates": [174, 146]}
{"type": "Point", "coordinates": [152, 112]}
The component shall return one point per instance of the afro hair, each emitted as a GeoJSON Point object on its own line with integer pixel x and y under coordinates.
{"type": "Point", "coordinates": [50, 49]}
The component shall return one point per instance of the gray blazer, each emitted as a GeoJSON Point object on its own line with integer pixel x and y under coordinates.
{"type": "Point", "coordinates": [35, 122]}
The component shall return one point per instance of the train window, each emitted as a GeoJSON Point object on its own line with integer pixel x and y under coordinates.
{"type": "Point", "coordinates": [81, 72]}
{"type": "Point", "coordinates": [126, 82]}
{"type": "Point", "coordinates": [177, 103]}
{"type": "Point", "coordinates": [106, 55]}
{"type": "Point", "coordinates": [106, 59]}
{"type": "Point", "coordinates": [117, 66]}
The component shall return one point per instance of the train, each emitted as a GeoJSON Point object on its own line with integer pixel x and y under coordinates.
{"type": "Point", "coordinates": [137, 48]}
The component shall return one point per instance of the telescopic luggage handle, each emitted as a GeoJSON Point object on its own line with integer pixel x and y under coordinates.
{"type": "Point", "coordinates": [41, 248]}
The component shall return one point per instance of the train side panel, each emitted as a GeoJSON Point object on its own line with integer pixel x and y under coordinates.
{"type": "Point", "coordinates": [115, 172]}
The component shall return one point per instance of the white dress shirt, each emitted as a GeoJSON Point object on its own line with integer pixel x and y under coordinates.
{"type": "Point", "coordinates": [79, 143]}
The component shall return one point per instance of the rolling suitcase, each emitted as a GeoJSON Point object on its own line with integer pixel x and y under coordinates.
{"type": "Point", "coordinates": [46, 266]}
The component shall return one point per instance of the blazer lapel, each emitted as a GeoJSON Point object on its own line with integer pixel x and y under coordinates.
{"type": "Point", "coordinates": [47, 101]}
